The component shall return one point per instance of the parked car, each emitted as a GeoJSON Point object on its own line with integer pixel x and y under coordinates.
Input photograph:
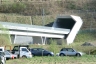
{"type": "Point", "coordinates": [41, 52]}
{"type": "Point", "coordinates": [9, 55]}
{"type": "Point", "coordinates": [2, 58]}
{"type": "Point", "coordinates": [22, 51]}
{"type": "Point", "coordinates": [69, 52]}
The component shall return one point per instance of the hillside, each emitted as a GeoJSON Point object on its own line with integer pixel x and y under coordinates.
{"type": "Point", "coordinates": [15, 18]}
{"type": "Point", "coordinates": [43, 12]}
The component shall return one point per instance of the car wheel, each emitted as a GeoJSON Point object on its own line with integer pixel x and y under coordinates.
{"type": "Point", "coordinates": [49, 55]}
{"type": "Point", "coordinates": [18, 56]}
{"type": "Point", "coordinates": [62, 54]}
{"type": "Point", "coordinates": [33, 55]}
{"type": "Point", "coordinates": [1, 63]}
{"type": "Point", "coordinates": [78, 55]}
{"type": "Point", "coordinates": [24, 56]}
{"type": "Point", "coordinates": [15, 57]}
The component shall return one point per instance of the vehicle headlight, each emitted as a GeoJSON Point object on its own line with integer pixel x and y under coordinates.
{"type": "Point", "coordinates": [52, 53]}
{"type": "Point", "coordinates": [81, 53]}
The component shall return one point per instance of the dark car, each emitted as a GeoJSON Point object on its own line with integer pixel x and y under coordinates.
{"type": "Point", "coordinates": [41, 52]}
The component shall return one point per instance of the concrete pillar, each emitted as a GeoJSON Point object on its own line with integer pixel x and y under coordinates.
{"type": "Point", "coordinates": [12, 38]}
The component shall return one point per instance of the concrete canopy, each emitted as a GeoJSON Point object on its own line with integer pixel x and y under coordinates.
{"type": "Point", "coordinates": [63, 27]}
{"type": "Point", "coordinates": [71, 22]}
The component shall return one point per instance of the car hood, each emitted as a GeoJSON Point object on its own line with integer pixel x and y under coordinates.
{"type": "Point", "coordinates": [81, 53]}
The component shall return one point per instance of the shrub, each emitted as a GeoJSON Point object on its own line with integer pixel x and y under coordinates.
{"type": "Point", "coordinates": [4, 8]}
{"type": "Point", "coordinates": [17, 7]}
{"type": "Point", "coordinates": [12, 8]}
{"type": "Point", "coordinates": [93, 52]}
{"type": "Point", "coordinates": [85, 35]}
{"type": "Point", "coordinates": [70, 5]}
{"type": "Point", "coordinates": [53, 46]}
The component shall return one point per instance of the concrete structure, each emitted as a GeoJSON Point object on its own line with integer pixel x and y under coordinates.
{"type": "Point", "coordinates": [20, 33]}
{"type": "Point", "coordinates": [64, 27]}
{"type": "Point", "coordinates": [71, 22]}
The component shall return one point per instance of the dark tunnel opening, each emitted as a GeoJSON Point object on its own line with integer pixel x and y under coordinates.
{"type": "Point", "coordinates": [66, 23]}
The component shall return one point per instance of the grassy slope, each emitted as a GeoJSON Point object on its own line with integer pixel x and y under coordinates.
{"type": "Point", "coordinates": [15, 18]}
{"type": "Point", "coordinates": [55, 60]}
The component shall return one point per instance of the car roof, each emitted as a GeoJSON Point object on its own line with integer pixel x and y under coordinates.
{"type": "Point", "coordinates": [22, 46]}
{"type": "Point", "coordinates": [67, 48]}
{"type": "Point", "coordinates": [36, 48]}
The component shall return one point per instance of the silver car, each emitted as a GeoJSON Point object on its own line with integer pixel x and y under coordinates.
{"type": "Point", "coordinates": [69, 52]}
{"type": "Point", "coordinates": [9, 55]}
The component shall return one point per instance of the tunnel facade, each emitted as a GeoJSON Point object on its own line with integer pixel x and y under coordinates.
{"type": "Point", "coordinates": [71, 22]}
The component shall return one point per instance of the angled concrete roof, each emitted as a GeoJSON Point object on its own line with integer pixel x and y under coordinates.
{"type": "Point", "coordinates": [33, 30]}
{"type": "Point", "coordinates": [71, 22]}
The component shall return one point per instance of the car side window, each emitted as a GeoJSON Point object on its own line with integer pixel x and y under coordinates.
{"type": "Point", "coordinates": [1, 50]}
{"type": "Point", "coordinates": [34, 49]}
{"type": "Point", "coordinates": [64, 49]}
{"type": "Point", "coordinates": [40, 49]}
{"type": "Point", "coordinates": [23, 49]}
{"type": "Point", "coordinates": [70, 50]}
{"type": "Point", "coordinates": [15, 48]}
{"type": "Point", "coordinates": [2, 53]}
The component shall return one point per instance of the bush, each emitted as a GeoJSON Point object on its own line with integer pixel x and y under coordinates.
{"type": "Point", "coordinates": [85, 35]}
{"type": "Point", "coordinates": [70, 5]}
{"type": "Point", "coordinates": [53, 46]}
{"type": "Point", "coordinates": [4, 8]}
{"type": "Point", "coordinates": [93, 52]}
{"type": "Point", "coordinates": [12, 8]}
{"type": "Point", "coordinates": [17, 7]}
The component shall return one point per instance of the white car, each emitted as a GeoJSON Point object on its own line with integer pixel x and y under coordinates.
{"type": "Point", "coordinates": [22, 52]}
{"type": "Point", "coordinates": [69, 52]}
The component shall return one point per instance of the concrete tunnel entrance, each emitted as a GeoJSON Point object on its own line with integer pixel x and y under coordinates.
{"type": "Point", "coordinates": [65, 23]}
{"type": "Point", "coordinates": [71, 22]}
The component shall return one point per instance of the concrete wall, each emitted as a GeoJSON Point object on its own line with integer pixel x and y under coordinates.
{"type": "Point", "coordinates": [23, 40]}
{"type": "Point", "coordinates": [37, 40]}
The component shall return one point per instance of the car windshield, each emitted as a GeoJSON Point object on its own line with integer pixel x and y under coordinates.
{"type": "Point", "coordinates": [7, 52]}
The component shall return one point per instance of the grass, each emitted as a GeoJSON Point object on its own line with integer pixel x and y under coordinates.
{"type": "Point", "coordinates": [87, 59]}
{"type": "Point", "coordinates": [80, 39]}
{"type": "Point", "coordinates": [15, 18]}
